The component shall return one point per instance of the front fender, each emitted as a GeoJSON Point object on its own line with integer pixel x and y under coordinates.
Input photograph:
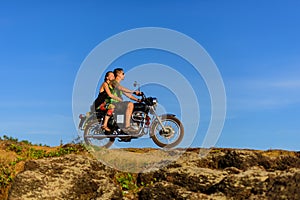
{"type": "Point", "coordinates": [163, 116]}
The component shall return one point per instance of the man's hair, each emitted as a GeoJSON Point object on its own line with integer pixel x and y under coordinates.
{"type": "Point", "coordinates": [117, 71]}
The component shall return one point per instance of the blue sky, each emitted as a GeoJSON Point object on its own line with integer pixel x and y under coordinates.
{"type": "Point", "coordinates": [255, 45]}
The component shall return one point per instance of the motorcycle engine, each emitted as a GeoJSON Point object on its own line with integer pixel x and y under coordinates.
{"type": "Point", "coordinates": [138, 116]}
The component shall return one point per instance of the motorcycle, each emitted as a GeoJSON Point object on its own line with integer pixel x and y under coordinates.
{"type": "Point", "coordinates": [165, 130]}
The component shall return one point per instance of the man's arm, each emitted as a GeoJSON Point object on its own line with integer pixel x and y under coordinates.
{"type": "Point", "coordinates": [130, 96]}
{"type": "Point", "coordinates": [124, 89]}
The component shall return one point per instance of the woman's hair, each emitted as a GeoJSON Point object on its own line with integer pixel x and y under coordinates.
{"type": "Point", "coordinates": [106, 75]}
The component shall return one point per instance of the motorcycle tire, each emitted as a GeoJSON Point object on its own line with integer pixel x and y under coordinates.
{"type": "Point", "coordinates": [172, 136]}
{"type": "Point", "coordinates": [94, 127]}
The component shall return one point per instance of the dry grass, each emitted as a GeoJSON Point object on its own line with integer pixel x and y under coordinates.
{"type": "Point", "coordinates": [135, 160]}
{"type": "Point", "coordinates": [277, 153]}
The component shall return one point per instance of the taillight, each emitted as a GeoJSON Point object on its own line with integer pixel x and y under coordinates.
{"type": "Point", "coordinates": [81, 116]}
{"type": "Point", "coordinates": [82, 120]}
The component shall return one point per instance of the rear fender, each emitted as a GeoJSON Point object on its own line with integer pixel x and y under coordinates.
{"type": "Point", "coordinates": [85, 121]}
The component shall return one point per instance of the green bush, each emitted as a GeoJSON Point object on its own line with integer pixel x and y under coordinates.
{"type": "Point", "coordinates": [35, 153]}
{"type": "Point", "coordinates": [5, 137]}
{"type": "Point", "coordinates": [16, 148]}
{"type": "Point", "coordinates": [5, 176]}
{"type": "Point", "coordinates": [26, 142]}
{"type": "Point", "coordinates": [127, 181]}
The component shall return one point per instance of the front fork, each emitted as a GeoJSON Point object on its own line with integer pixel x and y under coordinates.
{"type": "Point", "coordinates": [158, 119]}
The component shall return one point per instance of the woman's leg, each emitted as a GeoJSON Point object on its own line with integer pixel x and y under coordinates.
{"type": "Point", "coordinates": [104, 126]}
{"type": "Point", "coordinates": [107, 116]}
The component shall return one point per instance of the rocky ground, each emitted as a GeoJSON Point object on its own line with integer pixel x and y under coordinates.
{"type": "Point", "coordinates": [197, 174]}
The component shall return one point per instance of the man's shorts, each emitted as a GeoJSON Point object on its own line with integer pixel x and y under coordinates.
{"type": "Point", "coordinates": [121, 107]}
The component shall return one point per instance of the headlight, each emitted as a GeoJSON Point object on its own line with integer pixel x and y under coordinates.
{"type": "Point", "coordinates": [154, 101]}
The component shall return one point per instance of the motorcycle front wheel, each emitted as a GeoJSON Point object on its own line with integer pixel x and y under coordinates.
{"type": "Point", "coordinates": [94, 128]}
{"type": "Point", "coordinates": [171, 136]}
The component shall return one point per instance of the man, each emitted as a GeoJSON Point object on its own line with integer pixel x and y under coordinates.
{"type": "Point", "coordinates": [118, 91]}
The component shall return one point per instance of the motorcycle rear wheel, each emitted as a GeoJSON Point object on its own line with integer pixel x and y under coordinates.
{"type": "Point", "coordinates": [172, 136]}
{"type": "Point", "coordinates": [94, 128]}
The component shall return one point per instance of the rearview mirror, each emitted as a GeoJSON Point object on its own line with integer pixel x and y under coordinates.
{"type": "Point", "coordinates": [136, 84]}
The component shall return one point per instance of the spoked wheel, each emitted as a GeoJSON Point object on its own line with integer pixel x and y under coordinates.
{"type": "Point", "coordinates": [169, 137]}
{"type": "Point", "coordinates": [94, 128]}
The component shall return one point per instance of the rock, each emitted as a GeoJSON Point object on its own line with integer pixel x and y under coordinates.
{"type": "Point", "coordinates": [284, 186]}
{"type": "Point", "coordinates": [68, 177]}
{"type": "Point", "coordinates": [220, 174]}
{"type": "Point", "coordinates": [168, 191]}
{"type": "Point", "coordinates": [259, 184]}
{"type": "Point", "coordinates": [225, 174]}
{"type": "Point", "coordinates": [195, 179]}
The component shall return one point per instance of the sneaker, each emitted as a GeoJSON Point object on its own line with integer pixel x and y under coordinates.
{"type": "Point", "coordinates": [130, 130]}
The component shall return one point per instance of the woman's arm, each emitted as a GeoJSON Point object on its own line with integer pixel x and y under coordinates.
{"type": "Point", "coordinates": [107, 90]}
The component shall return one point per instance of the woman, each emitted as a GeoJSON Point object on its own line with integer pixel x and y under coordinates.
{"type": "Point", "coordinates": [104, 96]}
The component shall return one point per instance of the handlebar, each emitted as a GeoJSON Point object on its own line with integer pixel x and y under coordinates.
{"type": "Point", "coordinates": [147, 100]}
{"type": "Point", "coordinates": [139, 94]}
